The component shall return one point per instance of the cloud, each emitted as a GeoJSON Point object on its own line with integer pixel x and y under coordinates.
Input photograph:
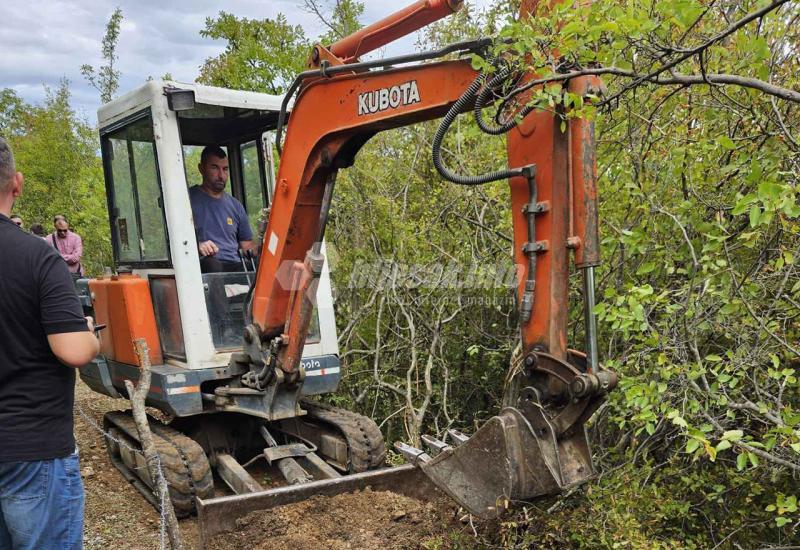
{"type": "Point", "coordinates": [50, 40]}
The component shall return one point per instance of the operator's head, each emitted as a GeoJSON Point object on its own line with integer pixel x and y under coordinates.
{"type": "Point", "coordinates": [214, 168]}
{"type": "Point", "coordinates": [10, 180]}
{"type": "Point", "coordinates": [61, 225]}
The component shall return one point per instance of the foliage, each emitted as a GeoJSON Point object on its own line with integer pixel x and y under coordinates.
{"type": "Point", "coordinates": [260, 55]}
{"type": "Point", "coordinates": [105, 79]}
{"type": "Point", "coordinates": [57, 153]}
{"type": "Point", "coordinates": [700, 300]}
{"type": "Point", "coordinates": [265, 55]}
{"type": "Point", "coordinates": [341, 19]}
{"type": "Point", "coordinates": [699, 186]}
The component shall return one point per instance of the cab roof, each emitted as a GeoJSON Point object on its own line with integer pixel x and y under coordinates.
{"type": "Point", "coordinates": [154, 90]}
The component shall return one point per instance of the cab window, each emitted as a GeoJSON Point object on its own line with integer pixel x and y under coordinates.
{"type": "Point", "coordinates": [137, 209]}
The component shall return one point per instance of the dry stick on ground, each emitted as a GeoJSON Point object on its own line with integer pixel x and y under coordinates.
{"type": "Point", "coordinates": [137, 397]}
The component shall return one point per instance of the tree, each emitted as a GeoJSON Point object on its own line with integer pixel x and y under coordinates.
{"type": "Point", "coordinates": [266, 55]}
{"type": "Point", "coordinates": [341, 19]}
{"type": "Point", "coordinates": [260, 55]}
{"type": "Point", "coordinates": [105, 79]}
{"type": "Point", "coordinates": [57, 153]}
{"type": "Point", "coordinates": [699, 184]}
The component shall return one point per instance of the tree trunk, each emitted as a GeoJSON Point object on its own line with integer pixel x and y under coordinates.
{"type": "Point", "coordinates": [137, 397]}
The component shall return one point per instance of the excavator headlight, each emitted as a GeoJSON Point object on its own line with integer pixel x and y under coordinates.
{"type": "Point", "coordinates": [179, 100]}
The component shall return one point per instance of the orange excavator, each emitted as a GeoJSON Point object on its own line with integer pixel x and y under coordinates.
{"type": "Point", "coordinates": [537, 445]}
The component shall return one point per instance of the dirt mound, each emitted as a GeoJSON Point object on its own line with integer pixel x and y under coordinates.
{"type": "Point", "coordinates": [367, 519]}
{"type": "Point", "coordinates": [118, 517]}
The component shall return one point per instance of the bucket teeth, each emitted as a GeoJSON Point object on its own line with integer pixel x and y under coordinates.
{"type": "Point", "coordinates": [412, 454]}
{"type": "Point", "coordinates": [457, 437]}
{"type": "Point", "coordinates": [435, 445]}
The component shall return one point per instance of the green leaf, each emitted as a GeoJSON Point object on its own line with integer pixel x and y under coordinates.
{"type": "Point", "coordinates": [646, 268]}
{"type": "Point", "coordinates": [713, 358]}
{"type": "Point", "coordinates": [741, 461]}
{"type": "Point", "coordinates": [723, 445]}
{"type": "Point", "coordinates": [692, 445]}
{"type": "Point", "coordinates": [781, 521]}
{"type": "Point", "coordinates": [742, 204]}
{"type": "Point", "coordinates": [769, 190]}
{"type": "Point", "coordinates": [679, 421]}
{"type": "Point", "coordinates": [755, 215]}
{"type": "Point", "coordinates": [733, 435]}
{"type": "Point", "coordinates": [727, 143]}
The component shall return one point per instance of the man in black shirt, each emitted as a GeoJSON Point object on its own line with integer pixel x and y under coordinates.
{"type": "Point", "coordinates": [43, 338]}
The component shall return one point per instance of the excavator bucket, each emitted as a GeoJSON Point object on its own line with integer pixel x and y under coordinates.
{"type": "Point", "coordinates": [518, 455]}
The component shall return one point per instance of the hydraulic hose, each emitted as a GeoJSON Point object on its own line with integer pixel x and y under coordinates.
{"type": "Point", "coordinates": [483, 97]}
{"type": "Point", "coordinates": [447, 121]}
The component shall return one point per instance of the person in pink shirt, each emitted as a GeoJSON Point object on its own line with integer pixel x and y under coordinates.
{"type": "Point", "coordinates": [68, 244]}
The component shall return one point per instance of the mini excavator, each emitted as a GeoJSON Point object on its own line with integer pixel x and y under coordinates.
{"type": "Point", "coordinates": [235, 377]}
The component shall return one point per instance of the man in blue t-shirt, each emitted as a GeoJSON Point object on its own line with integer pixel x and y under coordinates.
{"type": "Point", "coordinates": [220, 220]}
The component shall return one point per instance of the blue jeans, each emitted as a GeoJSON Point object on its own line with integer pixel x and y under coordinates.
{"type": "Point", "coordinates": [41, 505]}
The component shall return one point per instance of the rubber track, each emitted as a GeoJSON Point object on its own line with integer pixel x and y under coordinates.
{"type": "Point", "coordinates": [185, 465]}
{"type": "Point", "coordinates": [366, 450]}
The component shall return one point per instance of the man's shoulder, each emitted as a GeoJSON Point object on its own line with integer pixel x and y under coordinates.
{"type": "Point", "coordinates": [25, 245]}
{"type": "Point", "coordinates": [234, 201]}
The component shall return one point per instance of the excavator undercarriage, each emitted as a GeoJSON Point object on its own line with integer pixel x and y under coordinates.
{"type": "Point", "coordinates": [326, 443]}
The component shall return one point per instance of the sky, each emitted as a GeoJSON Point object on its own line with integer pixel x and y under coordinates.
{"type": "Point", "coordinates": [43, 41]}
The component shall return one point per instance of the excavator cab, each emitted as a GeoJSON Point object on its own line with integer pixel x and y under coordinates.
{"type": "Point", "coordinates": [151, 142]}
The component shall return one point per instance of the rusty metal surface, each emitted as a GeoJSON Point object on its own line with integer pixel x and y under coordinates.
{"type": "Point", "coordinates": [584, 179]}
{"type": "Point", "coordinates": [538, 447]}
{"type": "Point", "coordinates": [235, 476]}
{"type": "Point", "coordinates": [218, 515]}
{"type": "Point", "coordinates": [505, 461]}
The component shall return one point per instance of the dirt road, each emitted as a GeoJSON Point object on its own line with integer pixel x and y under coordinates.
{"type": "Point", "coordinates": [118, 518]}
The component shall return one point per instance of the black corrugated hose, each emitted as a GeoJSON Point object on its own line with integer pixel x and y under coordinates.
{"type": "Point", "coordinates": [480, 102]}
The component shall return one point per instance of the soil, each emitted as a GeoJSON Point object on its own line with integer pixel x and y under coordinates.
{"type": "Point", "coordinates": [117, 517]}
{"type": "Point", "coordinates": [348, 521]}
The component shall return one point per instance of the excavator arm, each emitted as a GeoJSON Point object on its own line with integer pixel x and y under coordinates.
{"type": "Point", "coordinates": [340, 104]}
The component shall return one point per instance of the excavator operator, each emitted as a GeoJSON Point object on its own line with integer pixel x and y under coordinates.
{"type": "Point", "coordinates": [220, 220]}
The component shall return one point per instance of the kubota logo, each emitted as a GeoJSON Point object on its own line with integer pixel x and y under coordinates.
{"type": "Point", "coordinates": [388, 98]}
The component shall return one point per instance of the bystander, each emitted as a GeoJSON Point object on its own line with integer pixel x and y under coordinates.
{"type": "Point", "coordinates": [68, 244]}
{"type": "Point", "coordinates": [44, 334]}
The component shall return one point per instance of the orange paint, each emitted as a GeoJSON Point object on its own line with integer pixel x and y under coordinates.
{"type": "Point", "coordinates": [319, 132]}
{"type": "Point", "coordinates": [124, 304]}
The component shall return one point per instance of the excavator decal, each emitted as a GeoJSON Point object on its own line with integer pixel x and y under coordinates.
{"type": "Point", "coordinates": [386, 98]}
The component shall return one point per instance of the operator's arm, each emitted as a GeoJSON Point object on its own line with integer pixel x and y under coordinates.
{"type": "Point", "coordinates": [207, 248]}
{"type": "Point", "coordinates": [75, 256]}
{"type": "Point", "coordinates": [244, 234]}
{"type": "Point", "coordinates": [69, 333]}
